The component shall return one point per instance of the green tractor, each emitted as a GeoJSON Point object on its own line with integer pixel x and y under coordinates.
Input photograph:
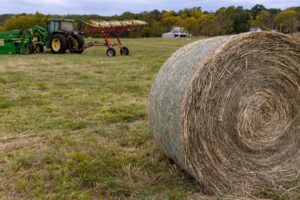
{"type": "Point", "coordinates": [16, 42]}
{"type": "Point", "coordinates": [59, 35]}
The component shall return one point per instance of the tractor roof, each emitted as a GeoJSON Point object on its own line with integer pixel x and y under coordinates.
{"type": "Point", "coordinates": [60, 19]}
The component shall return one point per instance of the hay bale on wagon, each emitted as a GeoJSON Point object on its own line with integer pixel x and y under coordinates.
{"type": "Point", "coordinates": [99, 24]}
{"type": "Point", "coordinates": [115, 24]}
{"type": "Point", "coordinates": [226, 109]}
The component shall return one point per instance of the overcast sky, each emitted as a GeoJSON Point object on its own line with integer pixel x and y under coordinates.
{"type": "Point", "coordinates": [112, 7]}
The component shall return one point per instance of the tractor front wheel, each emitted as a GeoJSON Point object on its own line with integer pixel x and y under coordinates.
{"type": "Point", "coordinates": [58, 43]}
{"type": "Point", "coordinates": [39, 47]}
{"type": "Point", "coordinates": [111, 52]}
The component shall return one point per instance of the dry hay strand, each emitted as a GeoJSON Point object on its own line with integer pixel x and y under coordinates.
{"type": "Point", "coordinates": [226, 109]}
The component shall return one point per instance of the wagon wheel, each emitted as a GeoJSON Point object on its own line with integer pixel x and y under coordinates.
{"type": "Point", "coordinates": [111, 52]}
{"type": "Point", "coordinates": [124, 51]}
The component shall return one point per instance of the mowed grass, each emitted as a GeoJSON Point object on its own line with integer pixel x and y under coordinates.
{"type": "Point", "coordinates": [75, 127]}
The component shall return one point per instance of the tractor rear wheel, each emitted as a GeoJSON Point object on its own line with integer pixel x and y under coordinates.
{"type": "Point", "coordinates": [58, 43]}
{"type": "Point", "coordinates": [111, 52]}
{"type": "Point", "coordinates": [39, 47]}
{"type": "Point", "coordinates": [78, 43]}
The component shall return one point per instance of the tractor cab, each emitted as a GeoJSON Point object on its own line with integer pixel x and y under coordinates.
{"type": "Point", "coordinates": [60, 25]}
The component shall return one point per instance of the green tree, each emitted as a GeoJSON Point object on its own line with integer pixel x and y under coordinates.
{"type": "Point", "coordinates": [241, 21]}
{"type": "Point", "coordinates": [273, 13]}
{"type": "Point", "coordinates": [156, 15]}
{"type": "Point", "coordinates": [157, 29]}
{"type": "Point", "coordinates": [127, 15]}
{"type": "Point", "coordinates": [257, 9]}
{"type": "Point", "coordinates": [287, 21]}
{"type": "Point", "coordinates": [146, 32]}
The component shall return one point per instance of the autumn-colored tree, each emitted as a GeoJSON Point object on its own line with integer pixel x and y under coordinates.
{"type": "Point", "coordinates": [170, 19]}
{"type": "Point", "coordinates": [224, 20]}
{"type": "Point", "coordinates": [186, 13]}
{"type": "Point", "coordinates": [25, 22]}
{"type": "Point", "coordinates": [196, 12]}
{"type": "Point", "coordinates": [286, 20]}
{"type": "Point", "coordinates": [273, 13]}
{"type": "Point", "coordinates": [191, 25]}
{"type": "Point", "coordinates": [1, 28]}
{"type": "Point", "coordinates": [257, 9]}
{"type": "Point", "coordinates": [262, 20]}
{"type": "Point", "coordinates": [208, 24]}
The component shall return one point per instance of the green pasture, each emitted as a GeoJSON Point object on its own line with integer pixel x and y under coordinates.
{"type": "Point", "coordinates": [75, 127]}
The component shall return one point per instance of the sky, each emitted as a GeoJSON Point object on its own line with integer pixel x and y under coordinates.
{"type": "Point", "coordinates": [117, 7]}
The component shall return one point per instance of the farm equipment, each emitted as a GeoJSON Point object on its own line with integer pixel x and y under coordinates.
{"type": "Point", "coordinates": [106, 28]}
{"type": "Point", "coordinates": [59, 35]}
{"type": "Point", "coordinates": [16, 42]}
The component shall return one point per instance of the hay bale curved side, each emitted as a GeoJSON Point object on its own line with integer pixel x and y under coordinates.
{"type": "Point", "coordinates": [226, 110]}
{"type": "Point", "coordinates": [168, 89]}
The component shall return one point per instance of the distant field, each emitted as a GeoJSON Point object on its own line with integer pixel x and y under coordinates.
{"type": "Point", "coordinates": [75, 127]}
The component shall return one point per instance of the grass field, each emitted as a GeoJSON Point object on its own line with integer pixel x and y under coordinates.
{"type": "Point", "coordinates": [75, 127]}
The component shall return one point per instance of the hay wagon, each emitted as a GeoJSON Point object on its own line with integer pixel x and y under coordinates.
{"type": "Point", "coordinates": [106, 29]}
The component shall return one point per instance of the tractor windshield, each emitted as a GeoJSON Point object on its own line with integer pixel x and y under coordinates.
{"type": "Point", "coordinates": [67, 26]}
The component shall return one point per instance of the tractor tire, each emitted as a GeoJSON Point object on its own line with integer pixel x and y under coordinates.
{"type": "Point", "coordinates": [124, 51]}
{"type": "Point", "coordinates": [58, 44]}
{"type": "Point", "coordinates": [78, 43]}
{"type": "Point", "coordinates": [39, 48]}
{"type": "Point", "coordinates": [71, 44]}
{"type": "Point", "coordinates": [111, 52]}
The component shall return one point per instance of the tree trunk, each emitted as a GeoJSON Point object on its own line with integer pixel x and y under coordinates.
{"type": "Point", "coordinates": [280, 27]}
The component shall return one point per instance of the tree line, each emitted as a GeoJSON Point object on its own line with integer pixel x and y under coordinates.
{"type": "Point", "coordinates": [226, 20]}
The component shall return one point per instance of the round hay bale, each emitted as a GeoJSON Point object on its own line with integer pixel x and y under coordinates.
{"type": "Point", "coordinates": [226, 110]}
